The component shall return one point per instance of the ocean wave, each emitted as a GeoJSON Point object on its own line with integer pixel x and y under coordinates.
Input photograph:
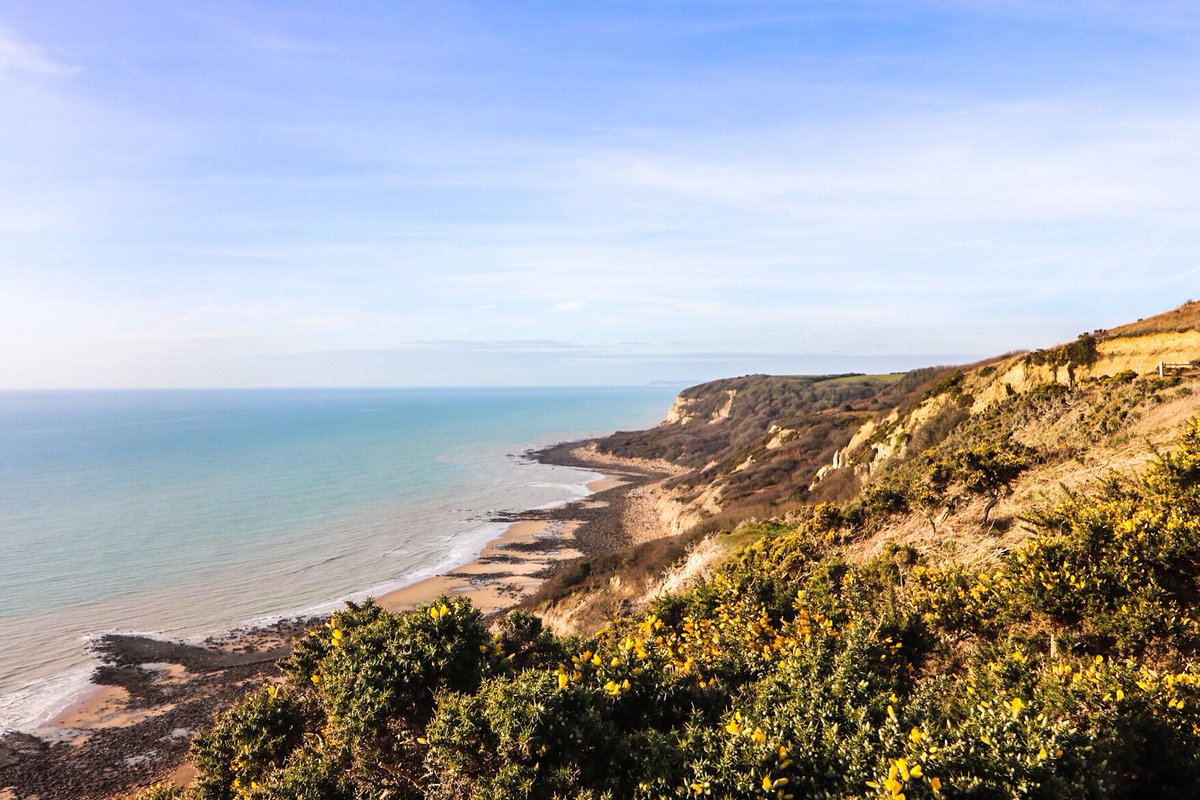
{"type": "Point", "coordinates": [36, 704]}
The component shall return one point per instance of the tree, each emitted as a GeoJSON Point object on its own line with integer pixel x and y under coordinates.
{"type": "Point", "coordinates": [988, 471]}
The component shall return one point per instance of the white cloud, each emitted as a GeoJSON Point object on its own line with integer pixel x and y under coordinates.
{"type": "Point", "coordinates": [19, 56]}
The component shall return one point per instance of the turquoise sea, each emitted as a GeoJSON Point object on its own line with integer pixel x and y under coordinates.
{"type": "Point", "coordinates": [187, 513]}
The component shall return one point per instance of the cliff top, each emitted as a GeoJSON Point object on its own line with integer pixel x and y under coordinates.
{"type": "Point", "coordinates": [1184, 318]}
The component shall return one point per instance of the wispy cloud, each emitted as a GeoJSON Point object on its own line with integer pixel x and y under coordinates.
{"type": "Point", "coordinates": [1167, 15]}
{"type": "Point", "coordinates": [500, 346]}
{"type": "Point", "coordinates": [17, 56]}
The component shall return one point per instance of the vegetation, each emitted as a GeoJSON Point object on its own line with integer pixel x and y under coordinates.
{"type": "Point", "coordinates": [955, 457]}
{"type": "Point", "coordinates": [1178, 320]}
{"type": "Point", "coordinates": [1066, 668]}
{"type": "Point", "coordinates": [759, 401]}
{"type": "Point", "coordinates": [812, 416]}
{"type": "Point", "coordinates": [1082, 352]}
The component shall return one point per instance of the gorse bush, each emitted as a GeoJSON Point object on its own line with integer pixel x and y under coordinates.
{"type": "Point", "coordinates": [387, 670]}
{"type": "Point", "coordinates": [1066, 669]}
{"type": "Point", "coordinates": [1082, 352]}
{"type": "Point", "coordinates": [248, 742]}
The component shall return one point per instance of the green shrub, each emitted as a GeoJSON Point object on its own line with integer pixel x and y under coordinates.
{"type": "Point", "coordinates": [522, 737]}
{"type": "Point", "coordinates": [248, 741]}
{"type": "Point", "coordinates": [390, 668]}
{"type": "Point", "coordinates": [310, 773]}
{"type": "Point", "coordinates": [162, 791]}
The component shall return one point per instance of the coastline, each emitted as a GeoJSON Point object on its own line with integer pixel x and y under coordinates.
{"type": "Point", "coordinates": [133, 726]}
{"type": "Point", "coordinates": [509, 567]}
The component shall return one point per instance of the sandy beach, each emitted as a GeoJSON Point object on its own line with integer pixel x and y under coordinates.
{"type": "Point", "coordinates": [151, 696]}
{"type": "Point", "coordinates": [511, 566]}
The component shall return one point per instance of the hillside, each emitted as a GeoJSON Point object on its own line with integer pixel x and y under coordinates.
{"type": "Point", "coordinates": [766, 444]}
{"type": "Point", "coordinates": [759, 440]}
{"type": "Point", "coordinates": [958, 583]}
{"type": "Point", "coordinates": [1185, 319]}
{"type": "Point", "coordinates": [761, 447]}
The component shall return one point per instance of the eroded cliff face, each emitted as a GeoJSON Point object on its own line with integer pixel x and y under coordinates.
{"type": "Point", "coordinates": [1140, 354]}
{"type": "Point", "coordinates": [882, 437]}
{"type": "Point", "coordinates": [981, 386]}
{"type": "Point", "coordinates": [679, 413]}
{"type": "Point", "coordinates": [759, 439]}
{"type": "Point", "coordinates": [686, 410]}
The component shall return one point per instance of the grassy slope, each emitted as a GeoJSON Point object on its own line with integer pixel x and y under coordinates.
{"type": "Point", "coordinates": [1184, 318]}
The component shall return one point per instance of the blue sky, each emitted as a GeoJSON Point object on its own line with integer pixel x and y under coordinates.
{"type": "Point", "coordinates": [296, 193]}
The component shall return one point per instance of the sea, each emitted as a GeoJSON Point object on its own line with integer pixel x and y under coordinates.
{"type": "Point", "coordinates": [187, 513]}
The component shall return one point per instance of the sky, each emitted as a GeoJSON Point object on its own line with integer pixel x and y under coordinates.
{"type": "Point", "coordinates": [583, 193]}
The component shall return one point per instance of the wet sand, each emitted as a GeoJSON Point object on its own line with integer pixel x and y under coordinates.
{"type": "Point", "coordinates": [511, 566]}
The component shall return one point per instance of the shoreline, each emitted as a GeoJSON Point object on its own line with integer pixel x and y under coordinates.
{"type": "Point", "coordinates": [146, 700]}
{"type": "Point", "coordinates": [509, 566]}
{"type": "Point", "coordinates": [66, 690]}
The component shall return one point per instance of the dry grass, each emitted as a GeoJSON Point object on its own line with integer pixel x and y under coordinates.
{"type": "Point", "coordinates": [963, 537]}
{"type": "Point", "coordinates": [1184, 318]}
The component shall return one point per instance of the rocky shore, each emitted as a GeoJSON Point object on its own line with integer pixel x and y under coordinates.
{"type": "Point", "coordinates": [135, 729]}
